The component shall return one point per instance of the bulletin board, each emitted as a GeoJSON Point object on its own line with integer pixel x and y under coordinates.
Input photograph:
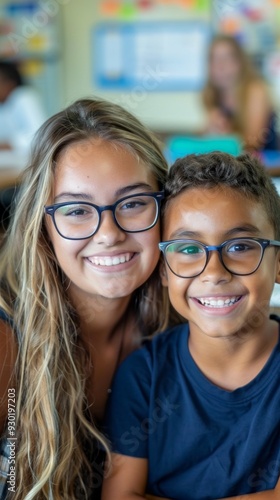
{"type": "Point", "coordinates": [128, 10]}
{"type": "Point", "coordinates": [151, 56]}
{"type": "Point", "coordinates": [255, 23]}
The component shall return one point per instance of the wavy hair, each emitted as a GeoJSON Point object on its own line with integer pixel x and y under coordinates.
{"type": "Point", "coordinates": [243, 173]}
{"type": "Point", "coordinates": [52, 427]}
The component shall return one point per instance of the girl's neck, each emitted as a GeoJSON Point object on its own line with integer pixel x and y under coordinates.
{"type": "Point", "coordinates": [99, 317]}
{"type": "Point", "coordinates": [108, 335]}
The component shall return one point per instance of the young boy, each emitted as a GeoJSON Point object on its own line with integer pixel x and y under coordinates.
{"type": "Point", "coordinates": [195, 413]}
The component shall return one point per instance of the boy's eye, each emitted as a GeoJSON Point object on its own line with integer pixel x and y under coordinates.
{"type": "Point", "coordinates": [240, 246]}
{"type": "Point", "coordinates": [191, 249]}
{"type": "Point", "coordinates": [186, 248]}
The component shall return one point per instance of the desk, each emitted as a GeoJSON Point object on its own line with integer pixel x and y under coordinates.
{"type": "Point", "coordinates": [271, 161]}
{"type": "Point", "coordinates": [9, 177]}
{"type": "Point", "coordinates": [177, 146]}
{"type": "Point", "coordinates": [12, 164]}
{"type": "Point", "coordinates": [274, 172]}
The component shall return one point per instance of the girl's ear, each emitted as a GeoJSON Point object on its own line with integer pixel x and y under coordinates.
{"type": "Point", "coordinates": [163, 273]}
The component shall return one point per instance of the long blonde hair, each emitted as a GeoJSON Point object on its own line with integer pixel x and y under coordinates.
{"type": "Point", "coordinates": [52, 428]}
{"type": "Point", "coordinates": [248, 74]}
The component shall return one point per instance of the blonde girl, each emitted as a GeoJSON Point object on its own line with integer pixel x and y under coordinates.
{"type": "Point", "coordinates": [79, 288]}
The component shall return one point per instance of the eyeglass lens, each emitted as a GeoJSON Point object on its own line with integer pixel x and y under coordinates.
{"type": "Point", "coordinates": [188, 259]}
{"type": "Point", "coordinates": [80, 220]}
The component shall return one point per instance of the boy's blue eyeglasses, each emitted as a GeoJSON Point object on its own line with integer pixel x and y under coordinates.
{"type": "Point", "coordinates": [240, 256]}
{"type": "Point", "coordinates": [79, 220]}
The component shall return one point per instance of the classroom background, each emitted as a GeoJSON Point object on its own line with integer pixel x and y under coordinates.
{"type": "Point", "coordinates": [150, 56]}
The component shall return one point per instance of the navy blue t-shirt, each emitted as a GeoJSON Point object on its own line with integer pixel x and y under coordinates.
{"type": "Point", "coordinates": [202, 442]}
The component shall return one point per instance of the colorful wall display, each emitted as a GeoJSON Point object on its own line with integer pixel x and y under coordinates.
{"type": "Point", "coordinates": [132, 9]}
{"type": "Point", "coordinates": [134, 34]}
{"type": "Point", "coordinates": [256, 23]}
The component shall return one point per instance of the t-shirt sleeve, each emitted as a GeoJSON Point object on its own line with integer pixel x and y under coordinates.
{"type": "Point", "coordinates": [127, 410]}
{"type": "Point", "coordinates": [4, 317]}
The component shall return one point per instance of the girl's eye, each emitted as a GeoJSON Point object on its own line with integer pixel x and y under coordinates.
{"type": "Point", "coordinates": [75, 210]}
{"type": "Point", "coordinates": [131, 204]}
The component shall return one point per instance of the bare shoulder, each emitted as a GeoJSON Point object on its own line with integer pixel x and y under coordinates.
{"type": "Point", "coordinates": [258, 88]}
{"type": "Point", "coordinates": [8, 355]}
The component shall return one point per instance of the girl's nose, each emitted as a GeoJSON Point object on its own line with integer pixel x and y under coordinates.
{"type": "Point", "coordinates": [108, 232]}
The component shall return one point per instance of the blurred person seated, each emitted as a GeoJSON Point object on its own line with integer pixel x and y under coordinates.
{"type": "Point", "coordinates": [21, 114]}
{"type": "Point", "coordinates": [237, 98]}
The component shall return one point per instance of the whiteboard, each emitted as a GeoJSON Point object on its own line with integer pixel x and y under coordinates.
{"type": "Point", "coordinates": [152, 56]}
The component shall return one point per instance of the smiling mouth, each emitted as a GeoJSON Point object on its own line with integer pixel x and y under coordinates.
{"type": "Point", "coordinates": [111, 261]}
{"type": "Point", "coordinates": [218, 302]}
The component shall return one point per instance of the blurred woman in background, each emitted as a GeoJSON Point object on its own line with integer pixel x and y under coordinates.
{"type": "Point", "coordinates": [236, 97]}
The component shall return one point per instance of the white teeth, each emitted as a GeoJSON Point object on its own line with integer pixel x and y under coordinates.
{"type": "Point", "coordinates": [110, 261]}
{"type": "Point", "coordinates": [218, 302]}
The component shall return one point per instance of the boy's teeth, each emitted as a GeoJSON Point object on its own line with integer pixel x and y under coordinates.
{"type": "Point", "coordinates": [110, 261]}
{"type": "Point", "coordinates": [218, 302]}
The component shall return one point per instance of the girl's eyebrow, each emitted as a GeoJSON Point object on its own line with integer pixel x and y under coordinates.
{"type": "Point", "coordinates": [71, 196]}
{"type": "Point", "coordinates": [140, 186]}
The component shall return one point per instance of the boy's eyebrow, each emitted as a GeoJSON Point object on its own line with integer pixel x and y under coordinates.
{"type": "Point", "coordinates": [246, 228]}
{"type": "Point", "coordinates": [183, 233]}
{"type": "Point", "coordinates": [243, 228]}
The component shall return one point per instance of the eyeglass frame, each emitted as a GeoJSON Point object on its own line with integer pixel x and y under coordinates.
{"type": "Point", "coordinates": [264, 244]}
{"type": "Point", "coordinates": [51, 209]}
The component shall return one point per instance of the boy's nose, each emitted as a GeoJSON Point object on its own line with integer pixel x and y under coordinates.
{"type": "Point", "coordinates": [215, 271]}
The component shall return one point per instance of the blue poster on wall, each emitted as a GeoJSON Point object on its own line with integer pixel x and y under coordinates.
{"type": "Point", "coordinates": [157, 56]}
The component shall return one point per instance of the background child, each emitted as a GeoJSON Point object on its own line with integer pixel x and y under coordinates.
{"type": "Point", "coordinates": [21, 114]}
{"type": "Point", "coordinates": [21, 111]}
{"type": "Point", "coordinates": [194, 415]}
